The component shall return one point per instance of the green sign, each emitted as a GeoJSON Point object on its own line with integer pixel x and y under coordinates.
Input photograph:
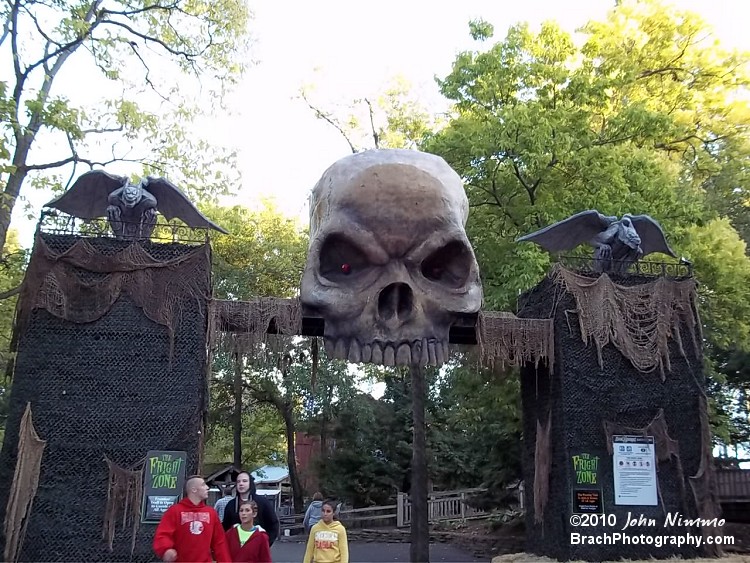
{"type": "Point", "coordinates": [586, 469]}
{"type": "Point", "coordinates": [586, 483]}
{"type": "Point", "coordinates": [164, 481]}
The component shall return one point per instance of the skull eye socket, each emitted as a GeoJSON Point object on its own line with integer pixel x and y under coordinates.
{"type": "Point", "coordinates": [449, 265]}
{"type": "Point", "coordinates": [340, 259]}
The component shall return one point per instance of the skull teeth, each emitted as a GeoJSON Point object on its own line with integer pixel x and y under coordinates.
{"type": "Point", "coordinates": [389, 356]}
{"type": "Point", "coordinates": [355, 355]}
{"type": "Point", "coordinates": [366, 353]}
{"type": "Point", "coordinates": [403, 355]}
{"type": "Point", "coordinates": [377, 353]}
{"type": "Point", "coordinates": [422, 352]}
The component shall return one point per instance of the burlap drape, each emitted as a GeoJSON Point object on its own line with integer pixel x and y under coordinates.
{"type": "Point", "coordinates": [82, 283]}
{"type": "Point", "coordinates": [638, 320]}
{"type": "Point", "coordinates": [124, 497]}
{"type": "Point", "coordinates": [504, 339]}
{"type": "Point", "coordinates": [24, 486]}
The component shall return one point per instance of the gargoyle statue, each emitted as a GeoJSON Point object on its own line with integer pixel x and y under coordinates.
{"type": "Point", "coordinates": [129, 208]}
{"type": "Point", "coordinates": [618, 243]}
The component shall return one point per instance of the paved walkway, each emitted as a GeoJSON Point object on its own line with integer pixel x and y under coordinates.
{"type": "Point", "coordinates": [292, 551]}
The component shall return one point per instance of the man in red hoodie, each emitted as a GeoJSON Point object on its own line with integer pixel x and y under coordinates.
{"type": "Point", "coordinates": [190, 531]}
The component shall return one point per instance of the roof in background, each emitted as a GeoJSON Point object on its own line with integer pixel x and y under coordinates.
{"type": "Point", "coordinates": [270, 474]}
{"type": "Point", "coordinates": [226, 473]}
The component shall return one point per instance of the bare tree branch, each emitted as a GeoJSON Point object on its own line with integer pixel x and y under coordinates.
{"type": "Point", "coordinates": [63, 51]}
{"type": "Point", "coordinates": [174, 6]}
{"type": "Point", "coordinates": [150, 39]}
{"type": "Point", "coordinates": [6, 30]}
{"type": "Point", "coordinates": [78, 159]}
{"type": "Point", "coordinates": [375, 136]}
{"type": "Point", "coordinates": [104, 130]}
{"type": "Point", "coordinates": [134, 47]}
{"type": "Point", "coordinates": [39, 29]}
{"type": "Point", "coordinates": [10, 293]}
{"type": "Point", "coordinates": [324, 116]}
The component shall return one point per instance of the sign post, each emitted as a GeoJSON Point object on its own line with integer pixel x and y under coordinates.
{"type": "Point", "coordinates": [165, 479]}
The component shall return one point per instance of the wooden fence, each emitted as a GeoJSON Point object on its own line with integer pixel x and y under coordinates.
{"type": "Point", "coordinates": [370, 517]}
{"type": "Point", "coordinates": [733, 485]}
{"type": "Point", "coordinates": [441, 506]}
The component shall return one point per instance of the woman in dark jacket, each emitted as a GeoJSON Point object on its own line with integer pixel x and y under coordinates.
{"type": "Point", "coordinates": [244, 490]}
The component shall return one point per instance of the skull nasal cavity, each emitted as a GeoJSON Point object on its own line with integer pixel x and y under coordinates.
{"type": "Point", "coordinates": [396, 300]}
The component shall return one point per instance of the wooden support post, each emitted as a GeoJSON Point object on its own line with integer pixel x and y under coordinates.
{"type": "Point", "coordinates": [420, 530]}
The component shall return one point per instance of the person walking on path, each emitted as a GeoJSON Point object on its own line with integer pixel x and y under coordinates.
{"type": "Point", "coordinates": [314, 512]}
{"type": "Point", "coordinates": [248, 542]}
{"type": "Point", "coordinates": [190, 531]}
{"type": "Point", "coordinates": [222, 503]}
{"type": "Point", "coordinates": [245, 490]}
{"type": "Point", "coordinates": [327, 542]}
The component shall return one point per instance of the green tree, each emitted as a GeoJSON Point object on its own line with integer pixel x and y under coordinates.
{"type": "Point", "coordinates": [359, 469]}
{"type": "Point", "coordinates": [647, 116]}
{"type": "Point", "coordinates": [12, 264]}
{"type": "Point", "coordinates": [261, 446]}
{"type": "Point", "coordinates": [720, 256]}
{"type": "Point", "coordinates": [475, 434]}
{"type": "Point", "coordinates": [263, 257]}
{"type": "Point", "coordinates": [131, 51]}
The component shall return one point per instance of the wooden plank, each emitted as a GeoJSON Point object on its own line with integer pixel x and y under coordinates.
{"type": "Point", "coordinates": [369, 508]}
{"type": "Point", "coordinates": [457, 492]}
{"type": "Point", "coordinates": [733, 484]}
{"type": "Point", "coordinates": [463, 330]}
{"type": "Point", "coordinates": [363, 518]}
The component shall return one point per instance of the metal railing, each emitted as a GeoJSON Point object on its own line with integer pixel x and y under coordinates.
{"type": "Point", "coordinates": [57, 223]}
{"type": "Point", "coordinates": [677, 270]}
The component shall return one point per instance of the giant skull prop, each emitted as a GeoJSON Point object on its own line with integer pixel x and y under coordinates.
{"type": "Point", "coordinates": [389, 266]}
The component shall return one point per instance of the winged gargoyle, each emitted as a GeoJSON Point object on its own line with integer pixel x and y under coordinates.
{"type": "Point", "coordinates": [618, 243]}
{"type": "Point", "coordinates": [129, 208]}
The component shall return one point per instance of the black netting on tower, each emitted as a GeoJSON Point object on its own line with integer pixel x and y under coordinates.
{"type": "Point", "coordinates": [117, 386]}
{"type": "Point", "coordinates": [581, 394]}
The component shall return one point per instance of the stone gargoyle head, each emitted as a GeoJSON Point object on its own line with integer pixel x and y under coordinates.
{"type": "Point", "coordinates": [389, 266]}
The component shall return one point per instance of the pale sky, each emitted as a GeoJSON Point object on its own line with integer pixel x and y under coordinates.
{"type": "Point", "coordinates": [357, 48]}
{"type": "Point", "coordinates": [349, 50]}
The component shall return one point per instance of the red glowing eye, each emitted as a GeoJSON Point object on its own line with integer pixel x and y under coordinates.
{"type": "Point", "coordinates": [346, 268]}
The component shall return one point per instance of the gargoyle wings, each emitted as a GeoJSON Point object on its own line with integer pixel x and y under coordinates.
{"type": "Point", "coordinates": [87, 197]}
{"type": "Point", "coordinates": [651, 235]}
{"type": "Point", "coordinates": [565, 235]}
{"type": "Point", "coordinates": [171, 202]}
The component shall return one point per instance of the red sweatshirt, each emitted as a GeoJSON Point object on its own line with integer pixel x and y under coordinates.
{"type": "Point", "coordinates": [194, 530]}
{"type": "Point", "coordinates": [255, 550]}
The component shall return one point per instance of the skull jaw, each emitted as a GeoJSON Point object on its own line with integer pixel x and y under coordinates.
{"type": "Point", "coordinates": [423, 352]}
{"type": "Point", "coordinates": [356, 332]}
{"type": "Point", "coordinates": [362, 338]}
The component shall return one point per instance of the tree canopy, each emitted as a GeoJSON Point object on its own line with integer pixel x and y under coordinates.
{"type": "Point", "coordinates": [649, 114]}
{"type": "Point", "coordinates": [146, 61]}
